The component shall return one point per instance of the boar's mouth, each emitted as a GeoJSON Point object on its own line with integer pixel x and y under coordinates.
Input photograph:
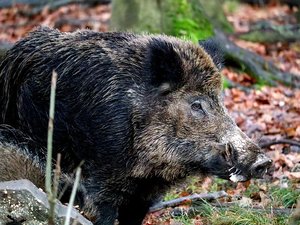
{"type": "Point", "coordinates": [236, 175]}
{"type": "Point", "coordinates": [242, 171]}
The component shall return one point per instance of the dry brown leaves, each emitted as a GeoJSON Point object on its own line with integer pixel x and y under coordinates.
{"type": "Point", "coordinates": [16, 22]}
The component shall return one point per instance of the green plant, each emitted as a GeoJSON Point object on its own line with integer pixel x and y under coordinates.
{"type": "Point", "coordinates": [236, 215]}
{"type": "Point", "coordinates": [286, 197]}
{"type": "Point", "coordinates": [187, 19]}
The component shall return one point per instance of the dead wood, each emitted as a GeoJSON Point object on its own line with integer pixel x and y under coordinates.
{"type": "Point", "coordinates": [190, 198]}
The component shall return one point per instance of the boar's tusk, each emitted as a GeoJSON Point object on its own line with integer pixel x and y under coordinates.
{"type": "Point", "coordinates": [236, 178]}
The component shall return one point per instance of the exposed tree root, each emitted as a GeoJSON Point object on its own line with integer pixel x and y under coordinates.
{"type": "Point", "coordinates": [263, 71]}
{"type": "Point", "coordinates": [265, 32]}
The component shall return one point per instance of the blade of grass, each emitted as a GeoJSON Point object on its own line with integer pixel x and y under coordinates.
{"type": "Point", "coordinates": [48, 183]}
{"type": "Point", "coordinates": [72, 198]}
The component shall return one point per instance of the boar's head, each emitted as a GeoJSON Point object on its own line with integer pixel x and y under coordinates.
{"type": "Point", "coordinates": [187, 129]}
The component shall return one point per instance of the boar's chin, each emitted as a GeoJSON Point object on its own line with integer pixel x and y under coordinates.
{"type": "Point", "coordinates": [237, 178]}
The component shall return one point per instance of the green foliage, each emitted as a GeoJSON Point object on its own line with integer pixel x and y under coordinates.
{"type": "Point", "coordinates": [236, 215]}
{"type": "Point", "coordinates": [226, 83]}
{"type": "Point", "coordinates": [187, 19]}
{"type": "Point", "coordinates": [171, 195]}
{"type": "Point", "coordinates": [286, 197]}
{"type": "Point", "coordinates": [184, 219]}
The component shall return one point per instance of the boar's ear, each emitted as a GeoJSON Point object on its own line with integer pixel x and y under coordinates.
{"type": "Point", "coordinates": [213, 48]}
{"type": "Point", "coordinates": [165, 67]}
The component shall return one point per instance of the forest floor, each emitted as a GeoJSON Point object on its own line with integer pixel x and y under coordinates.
{"type": "Point", "coordinates": [265, 113]}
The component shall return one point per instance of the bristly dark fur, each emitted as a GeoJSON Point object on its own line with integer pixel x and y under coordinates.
{"type": "Point", "coordinates": [142, 111]}
{"type": "Point", "coordinates": [215, 50]}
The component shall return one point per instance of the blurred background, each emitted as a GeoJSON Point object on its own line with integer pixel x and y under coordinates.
{"type": "Point", "coordinates": [261, 44]}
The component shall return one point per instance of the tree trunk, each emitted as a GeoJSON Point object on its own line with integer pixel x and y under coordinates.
{"type": "Point", "coordinates": [182, 18]}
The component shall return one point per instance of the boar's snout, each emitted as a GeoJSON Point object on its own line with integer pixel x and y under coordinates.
{"type": "Point", "coordinates": [260, 166]}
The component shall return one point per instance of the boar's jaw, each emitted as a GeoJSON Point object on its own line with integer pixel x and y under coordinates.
{"type": "Point", "coordinates": [236, 175]}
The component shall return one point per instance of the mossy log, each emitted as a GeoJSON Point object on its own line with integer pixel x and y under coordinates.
{"type": "Point", "coordinates": [268, 33]}
{"type": "Point", "coordinates": [263, 71]}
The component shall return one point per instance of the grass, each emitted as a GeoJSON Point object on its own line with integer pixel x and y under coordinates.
{"type": "Point", "coordinates": [286, 197]}
{"type": "Point", "coordinates": [236, 215]}
{"type": "Point", "coordinates": [233, 215]}
{"type": "Point", "coordinates": [277, 198]}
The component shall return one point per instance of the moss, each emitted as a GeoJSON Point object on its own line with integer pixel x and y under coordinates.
{"type": "Point", "coordinates": [185, 18]}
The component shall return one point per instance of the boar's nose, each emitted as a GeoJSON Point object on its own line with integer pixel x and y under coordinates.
{"type": "Point", "coordinates": [260, 166]}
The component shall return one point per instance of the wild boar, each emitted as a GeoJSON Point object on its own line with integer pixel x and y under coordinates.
{"type": "Point", "coordinates": [142, 111]}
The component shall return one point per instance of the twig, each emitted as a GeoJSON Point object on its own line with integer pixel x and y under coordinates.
{"type": "Point", "coordinates": [280, 141]}
{"type": "Point", "coordinates": [182, 200]}
{"type": "Point", "coordinates": [72, 198]}
{"type": "Point", "coordinates": [48, 183]}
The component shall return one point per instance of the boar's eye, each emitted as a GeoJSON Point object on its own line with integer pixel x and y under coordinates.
{"type": "Point", "coordinates": [197, 106]}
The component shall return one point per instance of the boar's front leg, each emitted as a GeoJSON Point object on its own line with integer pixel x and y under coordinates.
{"type": "Point", "coordinates": [106, 214]}
{"type": "Point", "coordinates": [134, 211]}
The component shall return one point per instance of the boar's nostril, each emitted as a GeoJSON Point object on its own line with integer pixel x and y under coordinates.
{"type": "Point", "coordinates": [260, 166]}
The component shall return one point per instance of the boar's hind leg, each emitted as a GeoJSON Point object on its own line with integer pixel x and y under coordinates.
{"type": "Point", "coordinates": [134, 212]}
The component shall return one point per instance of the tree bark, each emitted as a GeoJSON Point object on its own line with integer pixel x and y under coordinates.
{"type": "Point", "coordinates": [181, 18]}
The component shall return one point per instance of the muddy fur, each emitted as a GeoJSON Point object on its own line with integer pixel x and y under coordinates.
{"type": "Point", "coordinates": [17, 162]}
{"type": "Point", "coordinates": [142, 111]}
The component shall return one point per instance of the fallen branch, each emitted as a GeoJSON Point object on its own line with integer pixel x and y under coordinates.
{"type": "Point", "coordinates": [183, 200]}
{"type": "Point", "coordinates": [263, 71]}
{"type": "Point", "coordinates": [280, 141]}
